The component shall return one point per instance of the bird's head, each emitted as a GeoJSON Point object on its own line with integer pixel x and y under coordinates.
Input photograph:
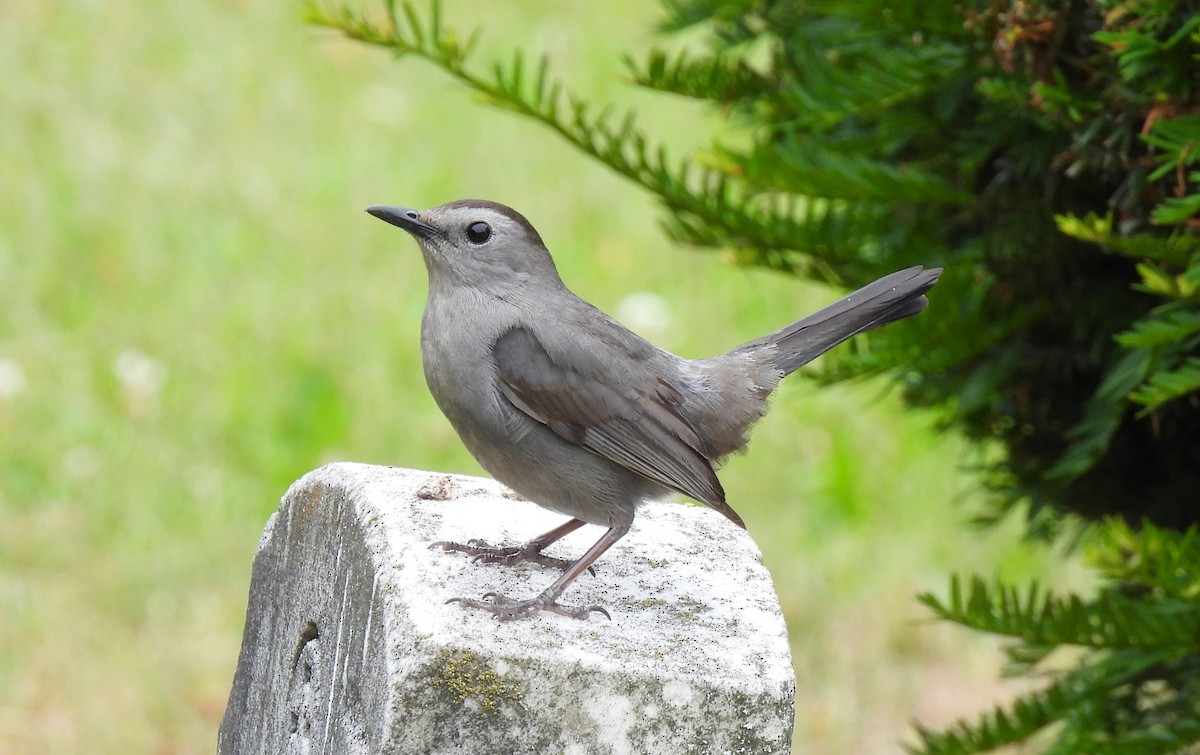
{"type": "Point", "coordinates": [476, 242]}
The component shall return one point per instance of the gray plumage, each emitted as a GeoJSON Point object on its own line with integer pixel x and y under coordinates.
{"type": "Point", "coordinates": [575, 412]}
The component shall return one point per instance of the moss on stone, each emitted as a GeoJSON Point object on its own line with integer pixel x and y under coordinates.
{"type": "Point", "coordinates": [464, 675]}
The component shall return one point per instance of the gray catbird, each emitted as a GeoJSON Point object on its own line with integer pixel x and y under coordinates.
{"type": "Point", "coordinates": [576, 413]}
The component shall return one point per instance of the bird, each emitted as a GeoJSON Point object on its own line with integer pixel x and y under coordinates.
{"type": "Point", "coordinates": [573, 411]}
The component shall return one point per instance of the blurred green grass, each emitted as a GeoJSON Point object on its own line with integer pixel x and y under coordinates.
{"type": "Point", "coordinates": [196, 311]}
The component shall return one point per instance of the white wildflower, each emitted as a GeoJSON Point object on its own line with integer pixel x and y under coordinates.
{"type": "Point", "coordinates": [645, 313]}
{"type": "Point", "coordinates": [12, 379]}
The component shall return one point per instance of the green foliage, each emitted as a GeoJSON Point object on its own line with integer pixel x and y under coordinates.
{"type": "Point", "coordinates": [1043, 152]}
{"type": "Point", "coordinates": [1134, 686]}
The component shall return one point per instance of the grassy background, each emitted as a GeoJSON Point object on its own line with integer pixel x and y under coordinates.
{"type": "Point", "coordinates": [196, 311]}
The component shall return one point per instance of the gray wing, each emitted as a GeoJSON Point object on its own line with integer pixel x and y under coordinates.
{"type": "Point", "coordinates": [637, 427]}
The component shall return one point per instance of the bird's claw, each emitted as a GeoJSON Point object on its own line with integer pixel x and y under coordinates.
{"type": "Point", "coordinates": [482, 552]}
{"type": "Point", "coordinates": [506, 609]}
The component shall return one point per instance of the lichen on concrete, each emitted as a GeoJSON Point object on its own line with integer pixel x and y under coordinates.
{"type": "Point", "coordinates": [468, 677]}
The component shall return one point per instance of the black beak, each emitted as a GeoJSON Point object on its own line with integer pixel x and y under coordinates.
{"type": "Point", "coordinates": [404, 217]}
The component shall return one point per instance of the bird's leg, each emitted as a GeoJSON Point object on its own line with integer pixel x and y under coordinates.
{"type": "Point", "coordinates": [483, 552]}
{"type": "Point", "coordinates": [507, 609]}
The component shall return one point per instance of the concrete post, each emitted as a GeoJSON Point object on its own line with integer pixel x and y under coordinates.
{"type": "Point", "coordinates": [349, 646]}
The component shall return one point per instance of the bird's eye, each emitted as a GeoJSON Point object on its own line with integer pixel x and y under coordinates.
{"type": "Point", "coordinates": [478, 233]}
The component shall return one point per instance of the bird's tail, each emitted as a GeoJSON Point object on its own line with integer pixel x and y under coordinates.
{"type": "Point", "coordinates": [891, 298]}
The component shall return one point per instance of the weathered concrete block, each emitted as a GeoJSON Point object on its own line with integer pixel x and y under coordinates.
{"type": "Point", "coordinates": [349, 646]}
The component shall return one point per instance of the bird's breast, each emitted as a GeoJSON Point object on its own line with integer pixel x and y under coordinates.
{"type": "Point", "coordinates": [458, 334]}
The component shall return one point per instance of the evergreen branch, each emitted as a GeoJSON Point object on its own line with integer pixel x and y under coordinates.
{"type": "Point", "coordinates": [1178, 141]}
{"type": "Point", "coordinates": [998, 727]}
{"type": "Point", "coordinates": [1144, 57]}
{"type": "Point", "coordinates": [1084, 700]}
{"type": "Point", "coordinates": [703, 196]}
{"type": "Point", "coordinates": [1096, 229]}
{"type": "Point", "coordinates": [833, 172]}
{"type": "Point", "coordinates": [1161, 560]}
{"type": "Point", "coordinates": [1179, 210]}
{"type": "Point", "coordinates": [1110, 621]}
{"type": "Point", "coordinates": [945, 20]}
{"type": "Point", "coordinates": [844, 74]}
{"type": "Point", "coordinates": [1171, 323]}
{"type": "Point", "coordinates": [828, 232]}
{"type": "Point", "coordinates": [1184, 285]}
{"type": "Point", "coordinates": [1168, 385]}
{"type": "Point", "coordinates": [1175, 736]}
{"type": "Point", "coordinates": [1028, 715]}
{"type": "Point", "coordinates": [719, 78]}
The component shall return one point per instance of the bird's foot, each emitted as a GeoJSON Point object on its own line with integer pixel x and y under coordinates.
{"type": "Point", "coordinates": [507, 609]}
{"type": "Point", "coordinates": [484, 553]}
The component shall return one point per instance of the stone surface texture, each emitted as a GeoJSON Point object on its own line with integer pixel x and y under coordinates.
{"type": "Point", "coordinates": [349, 646]}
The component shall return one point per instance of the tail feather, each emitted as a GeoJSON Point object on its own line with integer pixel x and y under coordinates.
{"type": "Point", "coordinates": [891, 298]}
